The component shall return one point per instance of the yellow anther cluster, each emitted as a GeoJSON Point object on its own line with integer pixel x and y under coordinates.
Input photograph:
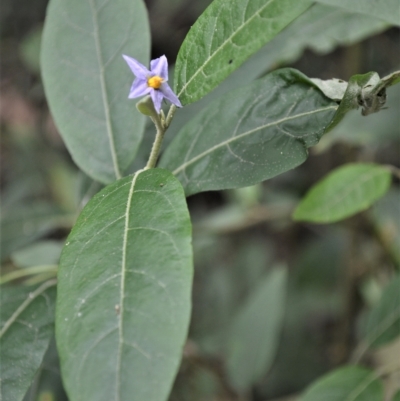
{"type": "Point", "coordinates": [155, 82]}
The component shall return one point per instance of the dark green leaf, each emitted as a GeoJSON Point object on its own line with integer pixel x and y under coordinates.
{"type": "Point", "coordinates": [384, 216]}
{"type": "Point", "coordinates": [384, 320]}
{"type": "Point", "coordinates": [124, 298]}
{"type": "Point", "coordinates": [396, 397]}
{"type": "Point", "coordinates": [387, 10]}
{"type": "Point", "coordinates": [351, 383]}
{"type": "Point", "coordinates": [321, 28]}
{"type": "Point", "coordinates": [23, 224]}
{"type": "Point", "coordinates": [253, 134]}
{"type": "Point", "coordinates": [27, 325]}
{"type": "Point", "coordinates": [87, 81]}
{"type": "Point", "coordinates": [344, 192]}
{"type": "Point", "coordinates": [254, 338]}
{"type": "Point", "coordinates": [224, 36]}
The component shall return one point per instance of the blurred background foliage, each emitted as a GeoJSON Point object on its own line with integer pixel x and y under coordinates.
{"type": "Point", "coordinates": [241, 237]}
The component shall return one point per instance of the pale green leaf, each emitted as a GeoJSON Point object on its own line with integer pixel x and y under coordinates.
{"type": "Point", "coordinates": [87, 81]}
{"type": "Point", "coordinates": [387, 10]}
{"type": "Point", "coordinates": [254, 337]}
{"type": "Point", "coordinates": [250, 135]}
{"type": "Point", "coordinates": [383, 323]}
{"type": "Point", "coordinates": [26, 327]}
{"type": "Point", "coordinates": [347, 190]}
{"type": "Point", "coordinates": [223, 37]}
{"type": "Point", "coordinates": [124, 296]}
{"type": "Point", "coordinates": [46, 252]}
{"type": "Point", "coordinates": [351, 383]}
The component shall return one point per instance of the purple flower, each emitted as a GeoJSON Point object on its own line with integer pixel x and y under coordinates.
{"type": "Point", "coordinates": [153, 82]}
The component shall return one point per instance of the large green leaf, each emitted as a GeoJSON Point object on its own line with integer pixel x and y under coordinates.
{"type": "Point", "coordinates": [26, 328]}
{"type": "Point", "coordinates": [345, 191]}
{"type": "Point", "coordinates": [383, 323]}
{"type": "Point", "coordinates": [252, 134]}
{"type": "Point", "coordinates": [351, 383]}
{"type": "Point", "coordinates": [87, 81]}
{"type": "Point", "coordinates": [124, 296]}
{"type": "Point", "coordinates": [224, 36]}
{"type": "Point", "coordinates": [387, 10]}
{"type": "Point", "coordinates": [321, 28]}
{"type": "Point", "coordinates": [254, 339]}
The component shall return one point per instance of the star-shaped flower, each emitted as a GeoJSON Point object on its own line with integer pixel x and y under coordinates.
{"type": "Point", "coordinates": [153, 82]}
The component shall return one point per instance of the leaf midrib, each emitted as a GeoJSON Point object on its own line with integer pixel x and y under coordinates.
{"type": "Point", "coordinates": [122, 285]}
{"type": "Point", "coordinates": [244, 134]}
{"type": "Point", "coordinates": [110, 133]}
{"type": "Point", "coordinates": [210, 57]}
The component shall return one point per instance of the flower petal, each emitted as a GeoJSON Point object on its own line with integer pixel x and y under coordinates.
{"type": "Point", "coordinates": [139, 88]}
{"type": "Point", "coordinates": [157, 98]}
{"type": "Point", "coordinates": [169, 94]}
{"type": "Point", "coordinates": [137, 68]}
{"type": "Point", "coordinates": [159, 66]}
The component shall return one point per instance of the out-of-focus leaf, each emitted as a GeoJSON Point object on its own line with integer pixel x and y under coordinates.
{"type": "Point", "coordinates": [224, 36]}
{"type": "Point", "coordinates": [254, 338]}
{"type": "Point", "coordinates": [85, 77]}
{"type": "Point", "coordinates": [47, 382]}
{"type": "Point", "coordinates": [344, 192]}
{"type": "Point", "coordinates": [30, 49]}
{"type": "Point", "coordinates": [40, 253]}
{"type": "Point", "coordinates": [123, 304]}
{"type": "Point", "coordinates": [22, 224]}
{"type": "Point", "coordinates": [27, 325]}
{"type": "Point", "coordinates": [275, 120]}
{"type": "Point", "coordinates": [351, 383]}
{"type": "Point", "coordinates": [396, 397]}
{"type": "Point", "coordinates": [387, 10]}
{"type": "Point", "coordinates": [383, 323]}
{"type": "Point", "coordinates": [385, 216]}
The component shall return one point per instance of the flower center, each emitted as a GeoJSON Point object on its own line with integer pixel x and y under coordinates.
{"type": "Point", "coordinates": [155, 82]}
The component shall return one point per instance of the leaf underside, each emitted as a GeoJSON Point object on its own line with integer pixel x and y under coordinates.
{"type": "Point", "coordinates": [87, 81]}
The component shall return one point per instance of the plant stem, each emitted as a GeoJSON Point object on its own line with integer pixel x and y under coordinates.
{"type": "Point", "coordinates": [162, 125]}
{"type": "Point", "coordinates": [155, 150]}
{"type": "Point", "coordinates": [29, 271]}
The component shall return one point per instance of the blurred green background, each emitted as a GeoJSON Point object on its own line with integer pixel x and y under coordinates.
{"type": "Point", "coordinates": [336, 271]}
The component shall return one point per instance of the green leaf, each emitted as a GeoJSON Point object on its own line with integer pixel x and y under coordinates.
{"type": "Point", "coordinates": [396, 397]}
{"type": "Point", "coordinates": [21, 224]}
{"type": "Point", "coordinates": [41, 253]}
{"type": "Point", "coordinates": [351, 383]}
{"type": "Point", "coordinates": [321, 28]}
{"type": "Point", "coordinates": [250, 135]}
{"type": "Point", "coordinates": [347, 190]}
{"type": "Point", "coordinates": [255, 334]}
{"type": "Point", "coordinates": [87, 81]}
{"type": "Point", "coordinates": [223, 37]}
{"type": "Point", "coordinates": [387, 10]}
{"type": "Point", "coordinates": [26, 328]}
{"type": "Point", "coordinates": [383, 323]}
{"type": "Point", "coordinates": [124, 297]}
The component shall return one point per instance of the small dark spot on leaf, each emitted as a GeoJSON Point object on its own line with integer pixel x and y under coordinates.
{"type": "Point", "coordinates": [230, 61]}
